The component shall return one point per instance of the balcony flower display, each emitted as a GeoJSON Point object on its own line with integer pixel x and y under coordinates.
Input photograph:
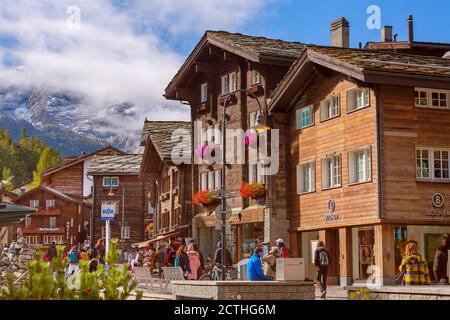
{"type": "Point", "coordinates": [250, 138]}
{"type": "Point", "coordinates": [206, 199]}
{"type": "Point", "coordinates": [253, 190]}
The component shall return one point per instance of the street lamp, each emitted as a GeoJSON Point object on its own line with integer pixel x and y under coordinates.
{"type": "Point", "coordinates": [111, 194]}
{"type": "Point", "coordinates": [260, 126]}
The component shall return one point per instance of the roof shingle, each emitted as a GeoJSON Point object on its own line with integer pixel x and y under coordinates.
{"type": "Point", "coordinates": [160, 133]}
{"type": "Point", "coordinates": [116, 164]}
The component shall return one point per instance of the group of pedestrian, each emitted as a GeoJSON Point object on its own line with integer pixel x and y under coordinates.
{"type": "Point", "coordinates": [75, 255]}
{"type": "Point", "coordinates": [261, 268]}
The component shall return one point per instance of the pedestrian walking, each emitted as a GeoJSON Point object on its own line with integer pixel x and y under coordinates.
{"type": "Point", "coordinates": [322, 262]}
{"type": "Point", "coordinates": [194, 262]}
{"type": "Point", "coordinates": [254, 267]}
{"type": "Point", "coordinates": [182, 261]}
{"type": "Point", "coordinates": [100, 251]}
{"type": "Point", "coordinates": [270, 262]}
{"type": "Point", "coordinates": [284, 251]}
{"type": "Point", "coordinates": [440, 261]}
{"type": "Point", "coordinates": [218, 256]}
{"type": "Point", "coordinates": [52, 252]}
{"type": "Point", "coordinates": [414, 267]}
{"type": "Point", "coordinates": [74, 261]}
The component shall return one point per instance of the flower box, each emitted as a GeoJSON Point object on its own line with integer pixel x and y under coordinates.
{"type": "Point", "coordinates": [253, 190]}
{"type": "Point", "coordinates": [206, 199]}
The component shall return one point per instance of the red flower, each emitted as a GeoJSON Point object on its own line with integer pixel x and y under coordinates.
{"type": "Point", "coordinates": [203, 197]}
{"type": "Point", "coordinates": [253, 190]}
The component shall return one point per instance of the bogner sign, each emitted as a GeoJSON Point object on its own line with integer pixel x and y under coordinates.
{"type": "Point", "coordinates": [438, 201]}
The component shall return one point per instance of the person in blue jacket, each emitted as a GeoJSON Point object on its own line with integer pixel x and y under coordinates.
{"type": "Point", "coordinates": [254, 267]}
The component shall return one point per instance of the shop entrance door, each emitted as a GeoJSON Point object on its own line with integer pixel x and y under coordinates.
{"type": "Point", "coordinates": [432, 242]}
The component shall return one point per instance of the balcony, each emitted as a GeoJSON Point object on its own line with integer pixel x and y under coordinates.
{"type": "Point", "coordinates": [51, 211]}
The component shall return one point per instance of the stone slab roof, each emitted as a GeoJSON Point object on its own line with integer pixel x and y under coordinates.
{"type": "Point", "coordinates": [115, 164]}
{"type": "Point", "coordinates": [160, 133]}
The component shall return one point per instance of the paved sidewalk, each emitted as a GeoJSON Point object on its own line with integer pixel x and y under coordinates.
{"type": "Point", "coordinates": [333, 293]}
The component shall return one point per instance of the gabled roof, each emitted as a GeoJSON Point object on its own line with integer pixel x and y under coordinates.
{"type": "Point", "coordinates": [11, 214]}
{"type": "Point", "coordinates": [117, 165]}
{"type": "Point", "coordinates": [253, 48]}
{"type": "Point", "coordinates": [368, 66]}
{"type": "Point", "coordinates": [159, 133]}
{"type": "Point", "coordinates": [434, 48]}
{"type": "Point", "coordinates": [80, 159]}
{"type": "Point", "coordinates": [56, 193]}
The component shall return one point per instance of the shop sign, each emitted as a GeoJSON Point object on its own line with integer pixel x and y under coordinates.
{"type": "Point", "coordinates": [331, 217]}
{"type": "Point", "coordinates": [67, 229]}
{"type": "Point", "coordinates": [438, 200]}
{"type": "Point", "coordinates": [437, 213]}
{"type": "Point", "coordinates": [331, 205]}
{"type": "Point", "coordinates": [48, 229]}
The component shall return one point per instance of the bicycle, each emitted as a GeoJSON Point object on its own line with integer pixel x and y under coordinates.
{"type": "Point", "coordinates": [219, 273]}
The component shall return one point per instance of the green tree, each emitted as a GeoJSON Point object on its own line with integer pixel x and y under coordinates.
{"type": "Point", "coordinates": [49, 158]}
{"type": "Point", "coordinates": [7, 179]}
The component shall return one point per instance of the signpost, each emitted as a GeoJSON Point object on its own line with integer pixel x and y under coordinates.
{"type": "Point", "coordinates": [108, 211]}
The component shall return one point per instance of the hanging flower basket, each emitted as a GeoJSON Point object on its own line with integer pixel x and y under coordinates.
{"type": "Point", "coordinates": [206, 199]}
{"type": "Point", "coordinates": [256, 191]}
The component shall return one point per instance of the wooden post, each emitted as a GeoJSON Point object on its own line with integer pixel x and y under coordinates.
{"type": "Point", "coordinates": [295, 242]}
{"type": "Point", "coordinates": [345, 252]}
{"type": "Point", "coordinates": [384, 255]}
{"type": "Point", "coordinates": [239, 242]}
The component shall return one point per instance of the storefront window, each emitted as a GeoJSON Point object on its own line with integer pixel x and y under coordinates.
{"type": "Point", "coordinates": [364, 250]}
{"type": "Point", "coordinates": [401, 237]}
{"type": "Point", "coordinates": [251, 232]}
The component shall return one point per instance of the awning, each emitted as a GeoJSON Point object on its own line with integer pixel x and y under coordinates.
{"type": "Point", "coordinates": [11, 214]}
{"type": "Point", "coordinates": [145, 244]}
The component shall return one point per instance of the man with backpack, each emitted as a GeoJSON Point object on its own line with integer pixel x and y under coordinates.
{"type": "Point", "coordinates": [322, 261]}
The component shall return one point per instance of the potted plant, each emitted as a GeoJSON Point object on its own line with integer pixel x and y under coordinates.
{"type": "Point", "coordinates": [206, 199]}
{"type": "Point", "coordinates": [254, 190]}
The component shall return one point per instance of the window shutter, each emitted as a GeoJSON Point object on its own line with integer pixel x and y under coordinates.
{"type": "Point", "coordinates": [299, 179]}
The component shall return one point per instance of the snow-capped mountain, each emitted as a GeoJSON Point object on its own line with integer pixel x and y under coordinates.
{"type": "Point", "coordinates": [66, 121]}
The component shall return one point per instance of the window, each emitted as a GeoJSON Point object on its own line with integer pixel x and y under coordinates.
{"type": "Point", "coordinates": [50, 203]}
{"type": "Point", "coordinates": [357, 99]}
{"type": "Point", "coordinates": [256, 173]}
{"type": "Point", "coordinates": [204, 92]}
{"type": "Point", "coordinates": [304, 117]}
{"type": "Point", "coordinates": [52, 222]}
{"type": "Point", "coordinates": [432, 164]}
{"type": "Point", "coordinates": [256, 77]}
{"type": "Point", "coordinates": [27, 221]}
{"type": "Point", "coordinates": [431, 98]}
{"type": "Point", "coordinates": [125, 232]}
{"type": "Point", "coordinates": [110, 182]}
{"type": "Point", "coordinates": [211, 180]}
{"type": "Point", "coordinates": [204, 181]}
{"type": "Point", "coordinates": [329, 108]}
{"type": "Point", "coordinates": [331, 172]}
{"type": "Point", "coordinates": [229, 83]}
{"type": "Point", "coordinates": [305, 177]}
{"type": "Point", "coordinates": [360, 166]}
{"type": "Point", "coordinates": [218, 178]}
{"type": "Point", "coordinates": [34, 204]}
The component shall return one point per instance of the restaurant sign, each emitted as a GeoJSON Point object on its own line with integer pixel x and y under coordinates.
{"type": "Point", "coordinates": [49, 229]}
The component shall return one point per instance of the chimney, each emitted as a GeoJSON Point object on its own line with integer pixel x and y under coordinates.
{"type": "Point", "coordinates": [386, 34]}
{"type": "Point", "coordinates": [410, 29]}
{"type": "Point", "coordinates": [340, 33]}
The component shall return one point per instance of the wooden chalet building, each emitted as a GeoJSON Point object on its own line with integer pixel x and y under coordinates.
{"type": "Point", "coordinates": [220, 64]}
{"type": "Point", "coordinates": [168, 186]}
{"type": "Point", "coordinates": [117, 183]}
{"type": "Point", "coordinates": [368, 156]}
{"type": "Point", "coordinates": [59, 218]}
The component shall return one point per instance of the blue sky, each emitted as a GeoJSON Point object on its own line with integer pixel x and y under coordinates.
{"type": "Point", "coordinates": [112, 51]}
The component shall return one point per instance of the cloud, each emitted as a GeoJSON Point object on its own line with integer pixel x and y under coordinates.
{"type": "Point", "coordinates": [106, 51]}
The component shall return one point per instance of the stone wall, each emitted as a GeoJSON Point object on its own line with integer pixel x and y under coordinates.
{"type": "Point", "coordinates": [243, 290]}
{"type": "Point", "coordinates": [407, 293]}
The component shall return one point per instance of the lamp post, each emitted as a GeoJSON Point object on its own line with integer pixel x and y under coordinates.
{"type": "Point", "coordinates": [111, 194]}
{"type": "Point", "coordinates": [260, 125]}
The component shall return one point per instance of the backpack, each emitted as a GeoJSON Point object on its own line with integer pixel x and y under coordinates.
{"type": "Point", "coordinates": [324, 261]}
{"type": "Point", "coordinates": [73, 257]}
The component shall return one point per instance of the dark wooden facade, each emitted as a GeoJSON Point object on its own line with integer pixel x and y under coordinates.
{"type": "Point", "coordinates": [70, 215]}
